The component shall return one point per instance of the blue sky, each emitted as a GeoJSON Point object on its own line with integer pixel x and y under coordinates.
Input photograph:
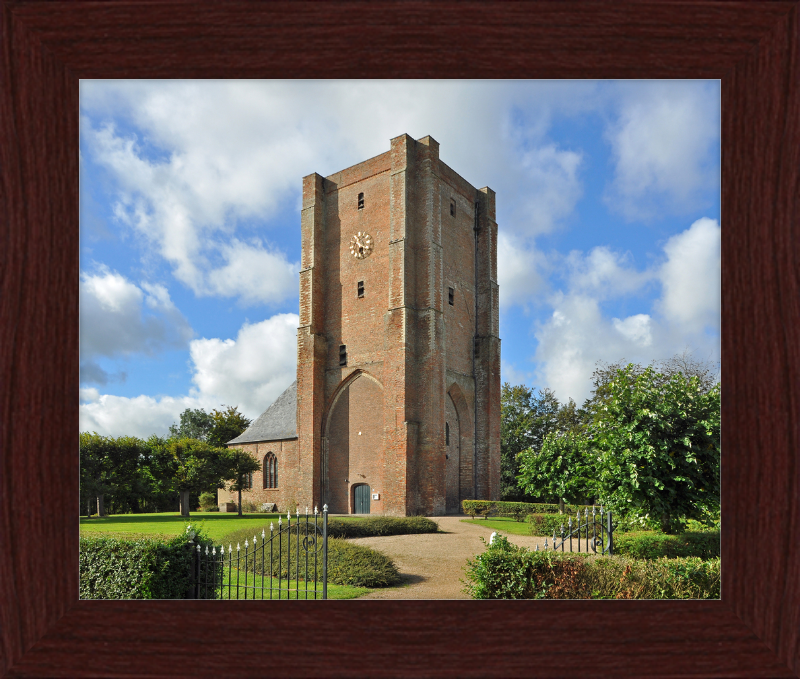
{"type": "Point", "coordinates": [607, 204]}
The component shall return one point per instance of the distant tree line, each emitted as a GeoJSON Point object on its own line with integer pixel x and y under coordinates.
{"type": "Point", "coordinates": [646, 443]}
{"type": "Point", "coordinates": [131, 475]}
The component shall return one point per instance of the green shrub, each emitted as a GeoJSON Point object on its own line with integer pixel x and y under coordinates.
{"type": "Point", "coordinates": [348, 563]}
{"type": "Point", "coordinates": [505, 571]}
{"type": "Point", "coordinates": [207, 501]}
{"type": "Point", "coordinates": [381, 525]}
{"type": "Point", "coordinates": [652, 545]}
{"type": "Point", "coordinates": [139, 568]}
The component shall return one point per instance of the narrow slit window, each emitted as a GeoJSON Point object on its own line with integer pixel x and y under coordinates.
{"type": "Point", "coordinates": [360, 288]}
{"type": "Point", "coordinates": [446, 434]}
{"type": "Point", "coordinates": [452, 207]}
{"type": "Point", "coordinates": [450, 296]}
{"type": "Point", "coordinates": [477, 347]}
{"type": "Point", "coordinates": [360, 201]}
{"type": "Point", "coordinates": [342, 354]}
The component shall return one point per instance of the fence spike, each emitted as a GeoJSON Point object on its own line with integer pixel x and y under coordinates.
{"type": "Point", "coordinates": [238, 547]}
{"type": "Point", "coordinates": [537, 547]}
{"type": "Point", "coordinates": [306, 511]}
{"type": "Point", "coordinates": [246, 545]}
{"type": "Point", "coordinates": [545, 543]}
{"type": "Point", "coordinates": [206, 550]}
{"type": "Point", "coordinates": [198, 549]}
{"type": "Point", "coordinates": [289, 515]}
{"type": "Point", "coordinates": [280, 522]}
{"type": "Point", "coordinates": [255, 541]}
{"type": "Point", "coordinates": [324, 508]}
{"type": "Point", "coordinates": [315, 510]}
{"type": "Point", "coordinates": [263, 535]}
{"type": "Point", "coordinates": [271, 526]}
{"type": "Point", "coordinates": [298, 512]}
{"type": "Point", "coordinates": [213, 551]}
{"type": "Point", "coordinates": [230, 548]}
{"type": "Point", "coordinates": [569, 523]}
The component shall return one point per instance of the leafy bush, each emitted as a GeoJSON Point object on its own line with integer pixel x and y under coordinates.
{"type": "Point", "coordinates": [249, 506]}
{"type": "Point", "coordinates": [381, 525]}
{"type": "Point", "coordinates": [505, 571]}
{"type": "Point", "coordinates": [207, 501]}
{"type": "Point", "coordinates": [348, 563]}
{"type": "Point", "coordinates": [651, 545]}
{"type": "Point", "coordinates": [139, 568]}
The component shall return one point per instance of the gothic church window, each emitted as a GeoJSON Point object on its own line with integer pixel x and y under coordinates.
{"type": "Point", "coordinates": [342, 354]}
{"type": "Point", "coordinates": [270, 469]}
{"type": "Point", "coordinates": [452, 207]}
{"type": "Point", "coordinates": [450, 296]}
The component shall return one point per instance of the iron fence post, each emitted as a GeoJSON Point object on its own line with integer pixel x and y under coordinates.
{"type": "Point", "coordinates": [324, 551]}
{"type": "Point", "coordinates": [610, 538]}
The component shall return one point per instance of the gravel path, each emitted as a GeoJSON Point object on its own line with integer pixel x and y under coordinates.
{"type": "Point", "coordinates": [432, 564]}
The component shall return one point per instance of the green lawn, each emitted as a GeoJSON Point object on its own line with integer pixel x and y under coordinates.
{"type": "Point", "coordinates": [215, 525]}
{"type": "Point", "coordinates": [248, 579]}
{"type": "Point", "coordinates": [505, 524]}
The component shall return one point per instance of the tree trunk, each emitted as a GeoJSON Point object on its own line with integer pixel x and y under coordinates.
{"type": "Point", "coordinates": [240, 500]}
{"type": "Point", "coordinates": [561, 505]}
{"type": "Point", "coordinates": [100, 508]}
{"type": "Point", "coordinates": [665, 523]}
{"type": "Point", "coordinates": [185, 503]}
{"type": "Point", "coordinates": [88, 508]}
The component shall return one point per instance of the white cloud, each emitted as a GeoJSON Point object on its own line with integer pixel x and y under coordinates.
{"type": "Point", "coordinates": [604, 273]}
{"type": "Point", "coordinates": [118, 318]}
{"type": "Point", "coordinates": [578, 334]}
{"type": "Point", "coordinates": [520, 271]}
{"type": "Point", "coordinates": [254, 273]}
{"type": "Point", "coordinates": [691, 277]}
{"type": "Point", "coordinates": [663, 143]}
{"type": "Point", "coordinates": [249, 372]}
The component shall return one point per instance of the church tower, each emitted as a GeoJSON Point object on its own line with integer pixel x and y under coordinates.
{"type": "Point", "coordinates": [397, 398]}
{"type": "Point", "coordinates": [398, 364]}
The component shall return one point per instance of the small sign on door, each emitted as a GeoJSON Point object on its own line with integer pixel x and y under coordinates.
{"type": "Point", "coordinates": [376, 496]}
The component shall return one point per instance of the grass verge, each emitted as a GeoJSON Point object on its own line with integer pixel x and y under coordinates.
{"type": "Point", "coordinates": [501, 523]}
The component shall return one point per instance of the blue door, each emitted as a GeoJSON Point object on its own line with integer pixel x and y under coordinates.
{"type": "Point", "coordinates": [362, 499]}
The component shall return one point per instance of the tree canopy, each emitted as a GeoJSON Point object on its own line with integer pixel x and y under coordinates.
{"type": "Point", "coordinates": [646, 444]}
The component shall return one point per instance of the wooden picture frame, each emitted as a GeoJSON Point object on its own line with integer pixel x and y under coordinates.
{"type": "Point", "coordinates": [751, 46]}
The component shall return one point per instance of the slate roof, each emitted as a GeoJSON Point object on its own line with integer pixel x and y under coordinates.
{"type": "Point", "coordinates": [279, 421]}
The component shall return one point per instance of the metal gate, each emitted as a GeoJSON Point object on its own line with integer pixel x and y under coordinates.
{"type": "Point", "coordinates": [361, 493]}
{"type": "Point", "coordinates": [290, 563]}
{"type": "Point", "coordinates": [602, 533]}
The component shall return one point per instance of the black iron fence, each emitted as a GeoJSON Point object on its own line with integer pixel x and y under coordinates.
{"type": "Point", "coordinates": [290, 563]}
{"type": "Point", "coordinates": [602, 533]}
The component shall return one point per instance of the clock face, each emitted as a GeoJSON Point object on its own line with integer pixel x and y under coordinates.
{"type": "Point", "coordinates": [361, 245]}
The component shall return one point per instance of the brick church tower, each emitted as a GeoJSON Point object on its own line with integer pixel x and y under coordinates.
{"type": "Point", "coordinates": [398, 354]}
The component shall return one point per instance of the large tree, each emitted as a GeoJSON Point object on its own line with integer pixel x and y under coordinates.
{"type": "Point", "coordinates": [226, 425]}
{"type": "Point", "coordinates": [648, 444]}
{"type": "Point", "coordinates": [196, 467]}
{"type": "Point", "coordinates": [526, 418]}
{"type": "Point", "coordinates": [110, 467]}
{"type": "Point", "coordinates": [240, 471]}
{"type": "Point", "coordinates": [657, 446]}
{"type": "Point", "coordinates": [194, 424]}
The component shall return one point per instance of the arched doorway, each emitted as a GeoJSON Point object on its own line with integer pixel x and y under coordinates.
{"type": "Point", "coordinates": [453, 456]}
{"type": "Point", "coordinates": [361, 498]}
{"type": "Point", "coordinates": [354, 443]}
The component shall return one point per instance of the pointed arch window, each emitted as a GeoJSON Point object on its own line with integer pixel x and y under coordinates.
{"type": "Point", "coordinates": [270, 468]}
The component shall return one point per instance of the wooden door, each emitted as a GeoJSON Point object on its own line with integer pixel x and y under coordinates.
{"type": "Point", "coordinates": [362, 499]}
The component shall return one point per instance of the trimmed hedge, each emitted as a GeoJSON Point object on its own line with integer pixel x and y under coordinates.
{"type": "Point", "coordinates": [505, 571]}
{"type": "Point", "coordinates": [377, 526]}
{"type": "Point", "coordinates": [140, 568]}
{"type": "Point", "coordinates": [348, 563]}
{"type": "Point", "coordinates": [650, 545]}
{"type": "Point", "coordinates": [519, 510]}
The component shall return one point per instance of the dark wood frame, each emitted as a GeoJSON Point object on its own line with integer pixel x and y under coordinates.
{"type": "Point", "coordinates": [751, 46]}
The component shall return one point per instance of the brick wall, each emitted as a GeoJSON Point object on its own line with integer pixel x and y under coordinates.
{"type": "Point", "coordinates": [410, 370]}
